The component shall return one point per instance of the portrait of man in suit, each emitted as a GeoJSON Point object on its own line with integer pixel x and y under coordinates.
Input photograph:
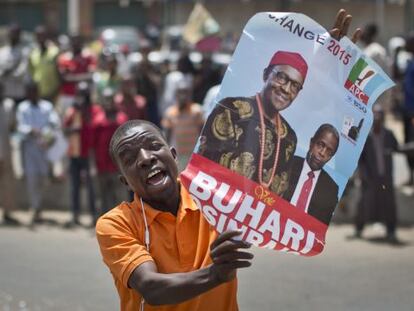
{"type": "Point", "coordinates": [311, 188]}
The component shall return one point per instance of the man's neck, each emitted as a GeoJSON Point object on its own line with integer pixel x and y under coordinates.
{"type": "Point", "coordinates": [43, 48]}
{"type": "Point", "coordinates": [377, 130]}
{"type": "Point", "coordinates": [76, 53]}
{"type": "Point", "coordinates": [128, 96]}
{"type": "Point", "coordinates": [269, 113]}
{"type": "Point", "coordinates": [34, 102]}
{"type": "Point", "coordinates": [308, 168]}
{"type": "Point", "coordinates": [169, 206]}
{"type": "Point", "coordinates": [183, 107]}
{"type": "Point", "coordinates": [110, 114]}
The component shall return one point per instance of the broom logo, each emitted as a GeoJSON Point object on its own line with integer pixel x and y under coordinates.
{"type": "Point", "coordinates": [368, 74]}
{"type": "Point", "coordinates": [362, 80]}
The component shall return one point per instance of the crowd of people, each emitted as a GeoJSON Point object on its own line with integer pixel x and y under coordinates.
{"type": "Point", "coordinates": [61, 105]}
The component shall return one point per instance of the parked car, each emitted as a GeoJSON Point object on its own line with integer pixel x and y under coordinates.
{"type": "Point", "coordinates": [172, 44]}
{"type": "Point", "coordinates": [113, 37]}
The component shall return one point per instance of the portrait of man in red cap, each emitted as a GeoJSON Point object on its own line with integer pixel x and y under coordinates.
{"type": "Point", "coordinates": [249, 136]}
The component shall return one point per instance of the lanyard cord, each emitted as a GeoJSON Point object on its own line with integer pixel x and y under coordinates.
{"type": "Point", "coordinates": [147, 244]}
{"type": "Point", "coordinates": [146, 235]}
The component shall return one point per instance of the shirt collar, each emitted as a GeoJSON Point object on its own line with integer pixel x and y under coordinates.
{"type": "Point", "coordinates": [307, 169]}
{"type": "Point", "coordinates": [187, 202]}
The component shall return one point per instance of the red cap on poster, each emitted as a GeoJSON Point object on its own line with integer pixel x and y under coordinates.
{"type": "Point", "coordinates": [292, 59]}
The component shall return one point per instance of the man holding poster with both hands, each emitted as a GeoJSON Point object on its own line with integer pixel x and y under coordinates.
{"type": "Point", "coordinates": [159, 248]}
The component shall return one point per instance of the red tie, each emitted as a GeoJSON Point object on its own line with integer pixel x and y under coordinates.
{"type": "Point", "coordinates": [304, 193]}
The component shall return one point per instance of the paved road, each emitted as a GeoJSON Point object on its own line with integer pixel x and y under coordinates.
{"type": "Point", "coordinates": [56, 269]}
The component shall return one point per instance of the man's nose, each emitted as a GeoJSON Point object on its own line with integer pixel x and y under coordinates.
{"type": "Point", "coordinates": [286, 86]}
{"type": "Point", "coordinates": [323, 152]}
{"type": "Point", "coordinates": [146, 158]}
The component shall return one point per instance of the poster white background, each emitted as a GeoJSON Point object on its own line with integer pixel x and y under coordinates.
{"type": "Point", "coordinates": [323, 99]}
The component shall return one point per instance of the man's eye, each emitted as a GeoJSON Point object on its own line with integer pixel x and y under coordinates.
{"type": "Point", "coordinates": [129, 161]}
{"type": "Point", "coordinates": [296, 86]}
{"type": "Point", "coordinates": [156, 146]}
{"type": "Point", "coordinates": [282, 77]}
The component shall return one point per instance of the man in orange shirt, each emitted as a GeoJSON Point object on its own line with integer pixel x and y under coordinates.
{"type": "Point", "coordinates": [160, 248]}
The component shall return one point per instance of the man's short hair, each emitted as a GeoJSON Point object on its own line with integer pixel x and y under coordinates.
{"type": "Point", "coordinates": [14, 27]}
{"type": "Point", "coordinates": [371, 30]}
{"type": "Point", "coordinates": [123, 129]}
{"type": "Point", "coordinates": [327, 128]}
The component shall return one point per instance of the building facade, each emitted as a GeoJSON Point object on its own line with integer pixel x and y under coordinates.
{"type": "Point", "coordinates": [83, 16]}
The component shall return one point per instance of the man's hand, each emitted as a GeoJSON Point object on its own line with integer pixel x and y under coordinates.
{"type": "Point", "coordinates": [227, 257]}
{"type": "Point", "coordinates": [341, 27]}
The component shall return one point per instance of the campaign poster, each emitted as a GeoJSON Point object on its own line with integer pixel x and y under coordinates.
{"type": "Point", "coordinates": [289, 124]}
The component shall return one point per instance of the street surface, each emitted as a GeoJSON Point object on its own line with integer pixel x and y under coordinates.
{"type": "Point", "coordinates": [51, 268]}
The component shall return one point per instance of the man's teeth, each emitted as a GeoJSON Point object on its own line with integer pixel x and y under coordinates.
{"type": "Point", "coordinates": [153, 173]}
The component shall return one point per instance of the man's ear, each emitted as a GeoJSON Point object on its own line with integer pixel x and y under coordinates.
{"type": "Point", "coordinates": [311, 142]}
{"type": "Point", "coordinates": [123, 180]}
{"type": "Point", "coordinates": [173, 152]}
{"type": "Point", "coordinates": [265, 74]}
{"type": "Point", "coordinates": [267, 71]}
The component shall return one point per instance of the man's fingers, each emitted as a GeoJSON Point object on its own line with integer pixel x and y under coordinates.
{"type": "Point", "coordinates": [334, 33]}
{"type": "Point", "coordinates": [345, 26]}
{"type": "Point", "coordinates": [228, 246]}
{"type": "Point", "coordinates": [227, 235]}
{"type": "Point", "coordinates": [236, 265]}
{"type": "Point", "coordinates": [233, 256]}
{"type": "Point", "coordinates": [356, 35]}
{"type": "Point", "coordinates": [341, 26]}
{"type": "Point", "coordinates": [339, 19]}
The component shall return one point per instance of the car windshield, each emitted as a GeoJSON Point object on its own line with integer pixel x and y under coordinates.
{"type": "Point", "coordinates": [120, 36]}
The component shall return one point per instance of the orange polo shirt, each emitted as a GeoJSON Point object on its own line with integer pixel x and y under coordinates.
{"type": "Point", "coordinates": [177, 244]}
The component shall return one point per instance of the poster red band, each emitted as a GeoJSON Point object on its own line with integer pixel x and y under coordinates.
{"type": "Point", "coordinates": [230, 201]}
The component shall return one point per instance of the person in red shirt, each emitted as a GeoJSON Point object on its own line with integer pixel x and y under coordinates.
{"type": "Point", "coordinates": [127, 101]}
{"type": "Point", "coordinates": [78, 123]}
{"type": "Point", "coordinates": [74, 66]}
{"type": "Point", "coordinates": [105, 124]}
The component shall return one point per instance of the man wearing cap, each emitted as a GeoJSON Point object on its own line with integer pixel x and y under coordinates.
{"type": "Point", "coordinates": [249, 136]}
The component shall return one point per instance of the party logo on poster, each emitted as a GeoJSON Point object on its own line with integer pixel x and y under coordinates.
{"type": "Point", "coordinates": [363, 80]}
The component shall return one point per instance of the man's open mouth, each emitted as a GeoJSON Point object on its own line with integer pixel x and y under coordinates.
{"type": "Point", "coordinates": [155, 177]}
